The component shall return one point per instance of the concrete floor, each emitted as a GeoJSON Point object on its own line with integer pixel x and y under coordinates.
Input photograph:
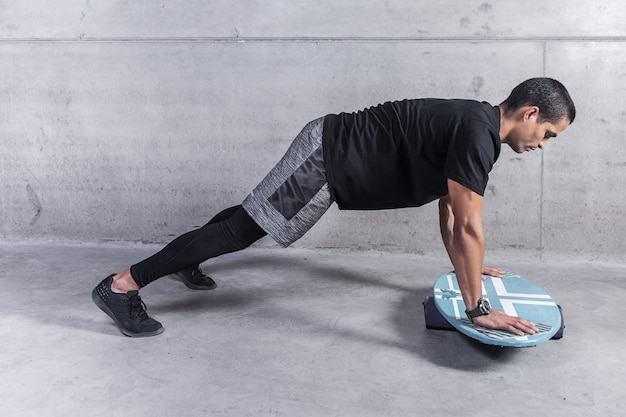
{"type": "Point", "coordinates": [294, 333]}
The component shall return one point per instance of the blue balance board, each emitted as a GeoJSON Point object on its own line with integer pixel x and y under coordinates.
{"type": "Point", "coordinates": [512, 294]}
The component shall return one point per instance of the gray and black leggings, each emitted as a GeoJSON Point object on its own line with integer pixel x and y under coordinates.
{"type": "Point", "coordinates": [229, 231]}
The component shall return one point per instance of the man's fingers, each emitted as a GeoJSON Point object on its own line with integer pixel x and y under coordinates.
{"type": "Point", "coordinates": [499, 320]}
{"type": "Point", "coordinates": [491, 271]}
{"type": "Point", "coordinates": [515, 330]}
{"type": "Point", "coordinates": [522, 327]}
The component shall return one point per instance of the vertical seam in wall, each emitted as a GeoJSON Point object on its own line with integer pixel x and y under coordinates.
{"type": "Point", "coordinates": [541, 178]}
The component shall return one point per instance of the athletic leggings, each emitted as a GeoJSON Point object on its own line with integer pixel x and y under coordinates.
{"type": "Point", "coordinates": [231, 230]}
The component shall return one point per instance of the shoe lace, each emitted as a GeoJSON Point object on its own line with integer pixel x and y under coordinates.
{"type": "Point", "coordinates": [137, 308]}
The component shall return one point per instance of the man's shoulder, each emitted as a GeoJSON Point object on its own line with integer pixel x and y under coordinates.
{"type": "Point", "coordinates": [473, 111]}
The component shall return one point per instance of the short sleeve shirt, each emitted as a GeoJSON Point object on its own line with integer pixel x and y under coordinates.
{"type": "Point", "coordinates": [401, 154]}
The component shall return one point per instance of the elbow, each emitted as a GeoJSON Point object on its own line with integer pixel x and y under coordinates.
{"type": "Point", "coordinates": [467, 232]}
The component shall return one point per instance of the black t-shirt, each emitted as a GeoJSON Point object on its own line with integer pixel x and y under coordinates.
{"type": "Point", "coordinates": [401, 153]}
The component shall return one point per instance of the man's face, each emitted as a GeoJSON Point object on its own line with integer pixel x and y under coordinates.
{"type": "Point", "coordinates": [530, 134]}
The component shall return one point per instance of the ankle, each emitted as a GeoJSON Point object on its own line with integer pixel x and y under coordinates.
{"type": "Point", "coordinates": [123, 283]}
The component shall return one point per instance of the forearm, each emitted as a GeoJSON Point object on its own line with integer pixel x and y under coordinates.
{"type": "Point", "coordinates": [468, 241]}
{"type": "Point", "coordinates": [469, 250]}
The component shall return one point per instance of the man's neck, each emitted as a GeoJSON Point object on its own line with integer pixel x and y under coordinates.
{"type": "Point", "coordinates": [506, 123]}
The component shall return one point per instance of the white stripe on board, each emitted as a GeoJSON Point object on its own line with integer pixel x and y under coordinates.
{"type": "Point", "coordinates": [498, 284]}
{"type": "Point", "coordinates": [508, 306]}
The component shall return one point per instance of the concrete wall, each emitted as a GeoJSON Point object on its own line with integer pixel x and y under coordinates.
{"type": "Point", "coordinates": [138, 120]}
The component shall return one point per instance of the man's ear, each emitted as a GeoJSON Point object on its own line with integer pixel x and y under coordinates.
{"type": "Point", "coordinates": [531, 112]}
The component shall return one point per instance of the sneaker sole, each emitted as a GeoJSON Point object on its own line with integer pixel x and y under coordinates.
{"type": "Point", "coordinates": [193, 286]}
{"type": "Point", "coordinates": [198, 287]}
{"type": "Point", "coordinates": [102, 306]}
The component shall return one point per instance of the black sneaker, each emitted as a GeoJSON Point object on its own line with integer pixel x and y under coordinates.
{"type": "Point", "coordinates": [195, 279]}
{"type": "Point", "coordinates": [127, 310]}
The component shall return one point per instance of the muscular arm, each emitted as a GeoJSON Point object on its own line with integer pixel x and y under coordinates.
{"type": "Point", "coordinates": [466, 242]}
{"type": "Point", "coordinates": [461, 221]}
{"type": "Point", "coordinates": [446, 226]}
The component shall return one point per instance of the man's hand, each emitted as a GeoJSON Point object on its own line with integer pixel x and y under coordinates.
{"type": "Point", "coordinates": [500, 321]}
{"type": "Point", "coordinates": [492, 272]}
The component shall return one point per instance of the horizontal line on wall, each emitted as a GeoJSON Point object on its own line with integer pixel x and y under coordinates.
{"type": "Point", "coordinates": [313, 39]}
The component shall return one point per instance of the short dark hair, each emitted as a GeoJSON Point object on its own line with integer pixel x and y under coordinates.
{"type": "Point", "coordinates": [549, 95]}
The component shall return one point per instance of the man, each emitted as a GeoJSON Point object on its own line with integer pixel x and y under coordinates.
{"type": "Point", "coordinates": [397, 154]}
